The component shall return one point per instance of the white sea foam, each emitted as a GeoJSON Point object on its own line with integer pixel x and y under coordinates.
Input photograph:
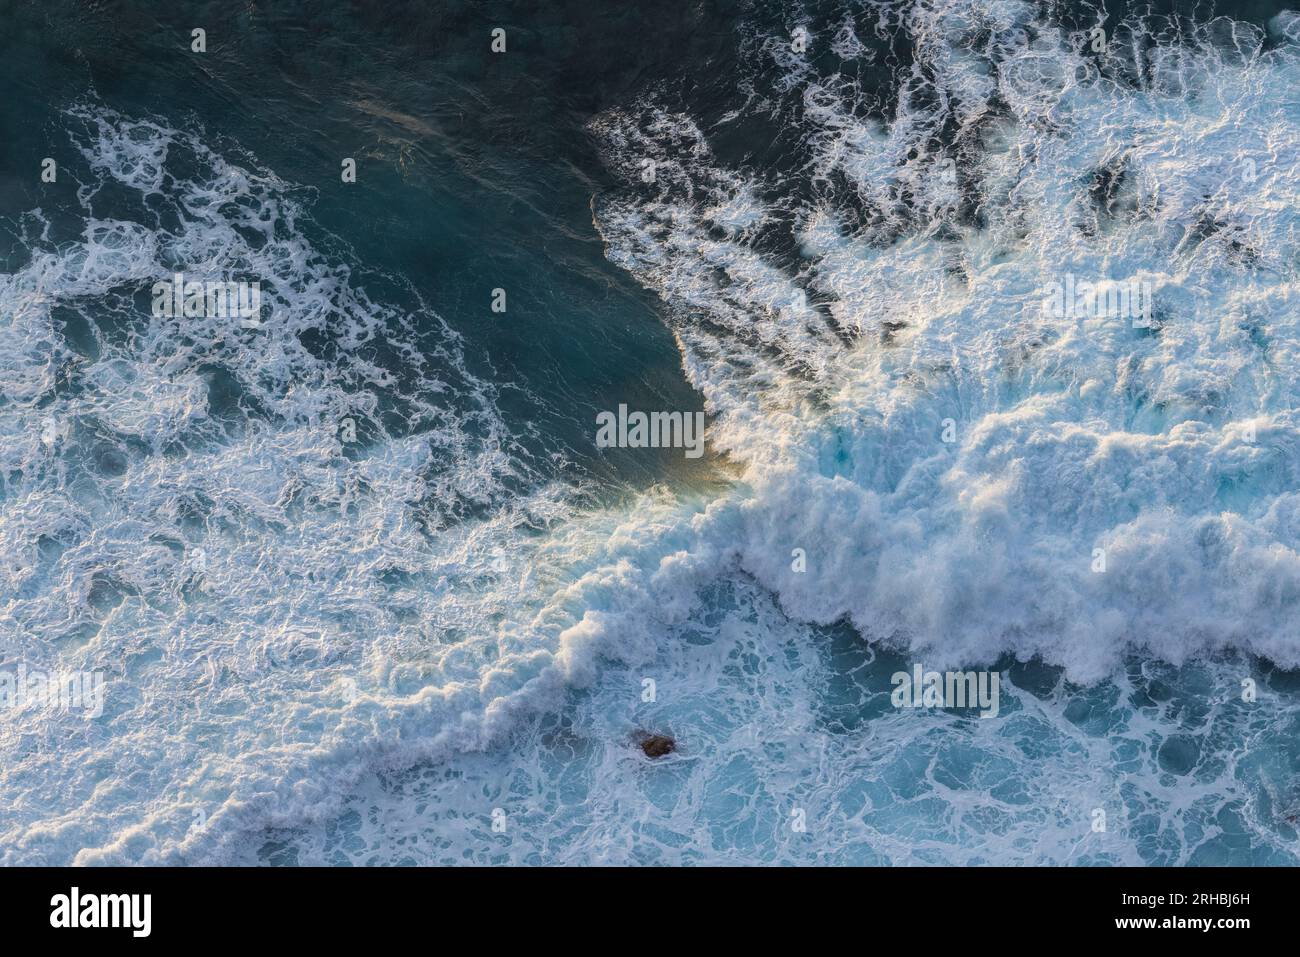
{"type": "Point", "coordinates": [271, 609]}
{"type": "Point", "coordinates": [1070, 436]}
{"type": "Point", "coordinates": [285, 629]}
{"type": "Point", "coordinates": [1173, 450]}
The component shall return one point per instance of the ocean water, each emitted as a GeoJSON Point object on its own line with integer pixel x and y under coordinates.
{"type": "Point", "coordinates": [364, 589]}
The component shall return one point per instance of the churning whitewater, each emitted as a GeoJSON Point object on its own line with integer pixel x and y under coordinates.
{"type": "Point", "coordinates": [404, 640]}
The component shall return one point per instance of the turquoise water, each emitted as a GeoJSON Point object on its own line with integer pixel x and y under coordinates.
{"type": "Point", "coordinates": [431, 635]}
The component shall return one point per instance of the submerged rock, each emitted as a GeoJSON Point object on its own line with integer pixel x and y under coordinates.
{"type": "Point", "coordinates": [655, 745]}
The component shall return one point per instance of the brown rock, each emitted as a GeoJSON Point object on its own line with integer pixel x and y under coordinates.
{"type": "Point", "coordinates": [655, 745]}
